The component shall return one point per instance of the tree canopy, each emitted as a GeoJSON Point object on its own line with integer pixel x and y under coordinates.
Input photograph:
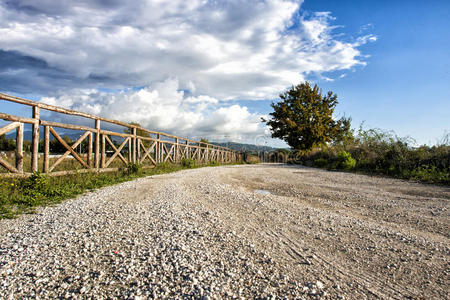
{"type": "Point", "coordinates": [139, 132]}
{"type": "Point", "coordinates": [304, 118]}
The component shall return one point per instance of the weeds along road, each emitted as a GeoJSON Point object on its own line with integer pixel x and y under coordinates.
{"type": "Point", "coordinates": [208, 232]}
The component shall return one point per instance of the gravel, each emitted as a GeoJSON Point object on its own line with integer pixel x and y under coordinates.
{"type": "Point", "coordinates": [207, 233]}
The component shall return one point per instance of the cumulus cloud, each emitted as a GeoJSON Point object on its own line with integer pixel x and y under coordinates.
{"type": "Point", "coordinates": [164, 107]}
{"type": "Point", "coordinates": [236, 49]}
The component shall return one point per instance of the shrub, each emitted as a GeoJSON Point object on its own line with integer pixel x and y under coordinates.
{"type": "Point", "coordinates": [133, 168]}
{"type": "Point", "coordinates": [321, 162]}
{"type": "Point", "coordinates": [188, 163]}
{"type": "Point", "coordinates": [213, 163]}
{"type": "Point", "coordinates": [34, 189]}
{"type": "Point", "coordinates": [345, 161]}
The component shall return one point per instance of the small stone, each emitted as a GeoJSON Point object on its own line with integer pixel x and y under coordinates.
{"type": "Point", "coordinates": [319, 285]}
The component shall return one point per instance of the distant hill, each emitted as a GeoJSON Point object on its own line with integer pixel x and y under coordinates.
{"type": "Point", "coordinates": [28, 135]}
{"type": "Point", "coordinates": [245, 147]}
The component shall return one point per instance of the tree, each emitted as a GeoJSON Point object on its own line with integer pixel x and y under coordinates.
{"type": "Point", "coordinates": [57, 147]}
{"type": "Point", "coordinates": [139, 132]}
{"type": "Point", "coordinates": [304, 118]}
{"type": "Point", "coordinates": [203, 142]}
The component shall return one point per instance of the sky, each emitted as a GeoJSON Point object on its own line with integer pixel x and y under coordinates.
{"type": "Point", "coordinates": [211, 69]}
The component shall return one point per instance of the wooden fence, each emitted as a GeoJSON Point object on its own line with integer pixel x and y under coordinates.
{"type": "Point", "coordinates": [107, 150]}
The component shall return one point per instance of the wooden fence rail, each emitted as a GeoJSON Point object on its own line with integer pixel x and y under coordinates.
{"type": "Point", "coordinates": [149, 149]}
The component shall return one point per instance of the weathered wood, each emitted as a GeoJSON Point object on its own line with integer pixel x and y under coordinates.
{"type": "Point", "coordinates": [176, 150]}
{"type": "Point", "coordinates": [194, 155]}
{"type": "Point", "coordinates": [46, 148]}
{"type": "Point", "coordinates": [9, 127]}
{"type": "Point", "coordinates": [72, 151]}
{"type": "Point", "coordinates": [117, 151]}
{"type": "Point", "coordinates": [182, 151]}
{"type": "Point", "coordinates": [62, 157]}
{"type": "Point", "coordinates": [179, 147]}
{"type": "Point", "coordinates": [107, 132]}
{"type": "Point", "coordinates": [147, 152]}
{"type": "Point", "coordinates": [168, 152]}
{"type": "Point", "coordinates": [19, 148]}
{"type": "Point", "coordinates": [103, 160]}
{"type": "Point", "coordinates": [130, 149]}
{"type": "Point", "coordinates": [76, 113]}
{"type": "Point", "coordinates": [67, 126]}
{"type": "Point", "coordinates": [146, 138]}
{"type": "Point", "coordinates": [134, 145]}
{"type": "Point", "coordinates": [59, 109]}
{"type": "Point", "coordinates": [10, 168]}
{"type": "Point", "coordinates": [12, 118]}
{"type": "Point", "coordinates": [35, 141]}
{"type": "Point", "coordinates": [97, 144]}
{"type": "Point", "coordinates": [158, 149]}
{"type": "Point", "coordinates": [138, 151]}
{"type": "Point", "coordinates": [90, 156]}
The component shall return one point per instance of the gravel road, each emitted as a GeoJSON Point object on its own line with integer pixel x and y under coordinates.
{"type": "Point", "coordinates": [235, 231]}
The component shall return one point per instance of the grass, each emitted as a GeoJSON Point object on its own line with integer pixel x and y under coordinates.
{"type": "Point", "coordinates": [376, 152]}
{"type": "Point", "coordinates": [23, 195]}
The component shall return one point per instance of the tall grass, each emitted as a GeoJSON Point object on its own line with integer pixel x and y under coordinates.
{"type": "Point", "coordinates": [375, 151]}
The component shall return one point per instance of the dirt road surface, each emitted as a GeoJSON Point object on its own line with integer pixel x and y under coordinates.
{"type": "Point", "coordinates": [236, 231]}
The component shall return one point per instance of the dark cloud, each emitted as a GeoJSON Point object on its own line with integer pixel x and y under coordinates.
{"type": "Point", "coordinates": [60, 7]}
{"type": "Point", "coordinates": [26, 74]}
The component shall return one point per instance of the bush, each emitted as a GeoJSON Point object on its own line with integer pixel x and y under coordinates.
{"type": "Point", "coordinates": [133, 168]}
{"type": "Point", "coordinates": [381, 152]}
{"type": "Point", "coordinates": [34, 189]}
{"type": "Point", "coordinates": [213, 163]}
{"type": "Point", "coordinates": [321, 162]}
{"type": "Point", "coordinates": [188, 163]}
{"type": "Point", "coordinates": [345, 161]}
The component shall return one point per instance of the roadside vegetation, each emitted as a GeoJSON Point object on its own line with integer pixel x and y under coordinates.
{"type": "Point", "coordinates": [304, 119]}
{"type": "Point", "coordinates": [23, 195]}
{"type": "Point", "coordinates": [375, 152]}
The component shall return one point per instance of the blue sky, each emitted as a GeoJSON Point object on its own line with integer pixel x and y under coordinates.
{"type": "Point", "coordinates": [211, 68]}
{"type": "Point", "coordinates": [405, 85]}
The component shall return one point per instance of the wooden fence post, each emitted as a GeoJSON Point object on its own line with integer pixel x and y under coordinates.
{"type": "Point", "coordinates": [134, 145]}
{"type": "Point", "coordinates": [103, 162]}
{"type": "Point", "coordinates": [90, 158]}
{"type": "Point", "coordinates": [187, 150]}
{"type": "Point", "coordinates": [158, 149]}
{"type": "Point", "coordinates": [130, 149]}
{"type": "Point", "coordinates": [97, 144]}
{"type": "Point", "coordinates": [19, 148]}
{"type": "Point", "coordinates": [35, 141]}
{"type": "Point", "coordinates": [46, 148]}
{"type": "Point", "coordinates": [176, 150]}
{"type": "Point", "coordinates": [138, 150]}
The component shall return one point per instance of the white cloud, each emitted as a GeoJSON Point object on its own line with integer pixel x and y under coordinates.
{"type": "Point", "coordinates": [224, 49]}
{"type": "Point", "coordinates": [164, 107]}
